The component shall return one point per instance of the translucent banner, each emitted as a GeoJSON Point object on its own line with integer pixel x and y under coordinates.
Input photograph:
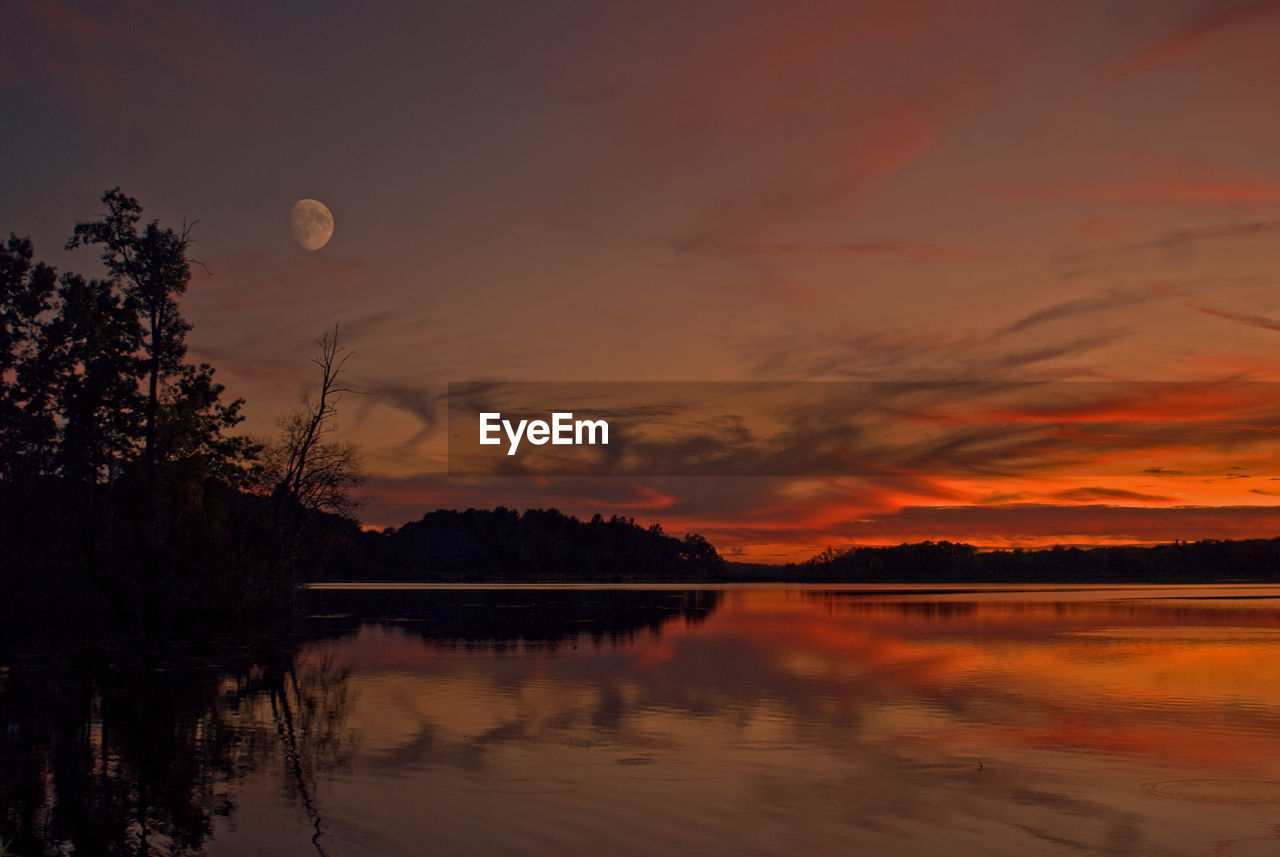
{"type": "Point", "coordinates": [869, 429]}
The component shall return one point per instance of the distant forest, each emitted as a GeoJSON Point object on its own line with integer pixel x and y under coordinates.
{"type": "Point", "coordinates": [539, 545]}
{"type": "Point", "coordinates": [1210, 561]}
{"type": "Point", "coordinates": [542, 545]}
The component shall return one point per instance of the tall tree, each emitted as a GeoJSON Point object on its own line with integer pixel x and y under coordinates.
{"type": "Point", "coordinates": [181, 417]}
{"type": "Point", "coordinates": [27, 424]}
{"type": "Point", "coordinates": [98, 333]}
{"type": "Point", "coordinates": [151, 269]}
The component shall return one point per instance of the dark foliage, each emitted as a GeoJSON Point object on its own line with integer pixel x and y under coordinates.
{"type": "Point", "coordinates": [538, 545]}
{"type": "Point", "coordinates": [1210, 561]}
{"type": "Point", "coordinates": [118, 476]}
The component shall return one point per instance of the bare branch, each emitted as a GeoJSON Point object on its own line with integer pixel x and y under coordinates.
{"type": "Point", "coordinates": [314, 473]}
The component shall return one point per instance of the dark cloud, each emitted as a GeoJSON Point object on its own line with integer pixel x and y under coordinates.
{"type": "Point", "coordinates": [898, 355]}
{"type": "Point", "coordinates": [1246, 319]}
{"type": "Point", "coordinates": [424, 401]}
{"type": "Point", "coordinates": [1097, 495]}
{"type": "Point", "coordinates": [1071, 309]}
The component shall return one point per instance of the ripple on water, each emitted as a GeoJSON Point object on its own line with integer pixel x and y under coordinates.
{"type": "Point", "coordinates": [528, 786]}
{"type": "Point", "coordinates": [1219, 790]}
{"type": "Point", "coordinates": [1182, 634]}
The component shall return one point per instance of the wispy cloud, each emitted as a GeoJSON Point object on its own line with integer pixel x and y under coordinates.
{"type": "Point", "coordinates": [1133, 180]}
{"type": "Point", "coordinates": [1074, 308]}
{"type": "Point", "coordinates": [426, 402]}
{"type": "Point", "coordinates": [1247, 319]}
{"type": "Point", "coordinates": [1153, 192]}
{"type": "Point", "coordinates": [1216, 19]}
{"type": "Point", "coordinates": [1171, 245]}
{"type": "Point", "coordinates": [1094, 494]}
{"type": "Point", "coordinates": [880, 248]}
{"type": "Point", "coordinates": [892, 429]}
{"type": "Point", "coordinates": [900, 355]}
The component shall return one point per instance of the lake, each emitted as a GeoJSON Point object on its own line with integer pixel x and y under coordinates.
{"type": "Point", "coordinates": [740, 720]}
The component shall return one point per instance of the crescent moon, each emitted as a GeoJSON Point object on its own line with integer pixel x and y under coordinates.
{"type": "Point", "coordinates": [312, 223]}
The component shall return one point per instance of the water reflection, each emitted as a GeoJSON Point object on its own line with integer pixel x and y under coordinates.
{"type": "Point", "coordinates": [116, 750]}
{"type": "Point", "coordinates": [117, 747]}
{"type": "Point", "coordinates": [641, 722]}
{"type": "Point", "coordinates": [501, 616]}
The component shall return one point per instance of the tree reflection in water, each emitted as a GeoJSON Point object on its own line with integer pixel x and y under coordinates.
{"type": "Point", "coordinates": [116, 750]}
{"type": "Point", "coordinates": [112, 748]}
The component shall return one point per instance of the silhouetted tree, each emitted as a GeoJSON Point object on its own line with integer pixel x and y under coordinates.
{"type": "Point", "coordinates": [538, 545]}
{"type": "Point", "coordinates": [302, 468]}
{"type": "Point", "coordinates": [150, 268]}
{"type": "Point", "coordinates": [96, 336]}
{"type": "Point", "coordinates": [28, 428]}
{"type": "Point", "coordinates": [191, 432]}
{"type": "Point", "coordinates": [106, 429]}
{"type": "Point", "coordinates": [129, 394]}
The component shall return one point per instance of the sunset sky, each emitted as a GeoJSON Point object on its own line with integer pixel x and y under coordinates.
{"type": "Point", "coordinates": [701, 191]}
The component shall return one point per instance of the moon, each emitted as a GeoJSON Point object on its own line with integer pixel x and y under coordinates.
{"type": "Point", "coordinates": [312, 223]}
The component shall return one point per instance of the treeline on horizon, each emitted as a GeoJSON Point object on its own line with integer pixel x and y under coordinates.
{"type": "Point", "coordinates": [538, 545]}
{"type": "Point", "coordinates": [546, 545]}
{"type": "Point", "coordinates": [1206, 561]}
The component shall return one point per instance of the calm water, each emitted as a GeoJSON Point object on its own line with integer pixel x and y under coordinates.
{"type": "Point", "coordinates": [735, 721]}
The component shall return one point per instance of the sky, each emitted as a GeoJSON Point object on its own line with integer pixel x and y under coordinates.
{"type": "Point", "coordinates": [700, 191]}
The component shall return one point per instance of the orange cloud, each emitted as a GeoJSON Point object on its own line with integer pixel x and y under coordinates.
{"type": "Point", "coordinates": [1152, 178]}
